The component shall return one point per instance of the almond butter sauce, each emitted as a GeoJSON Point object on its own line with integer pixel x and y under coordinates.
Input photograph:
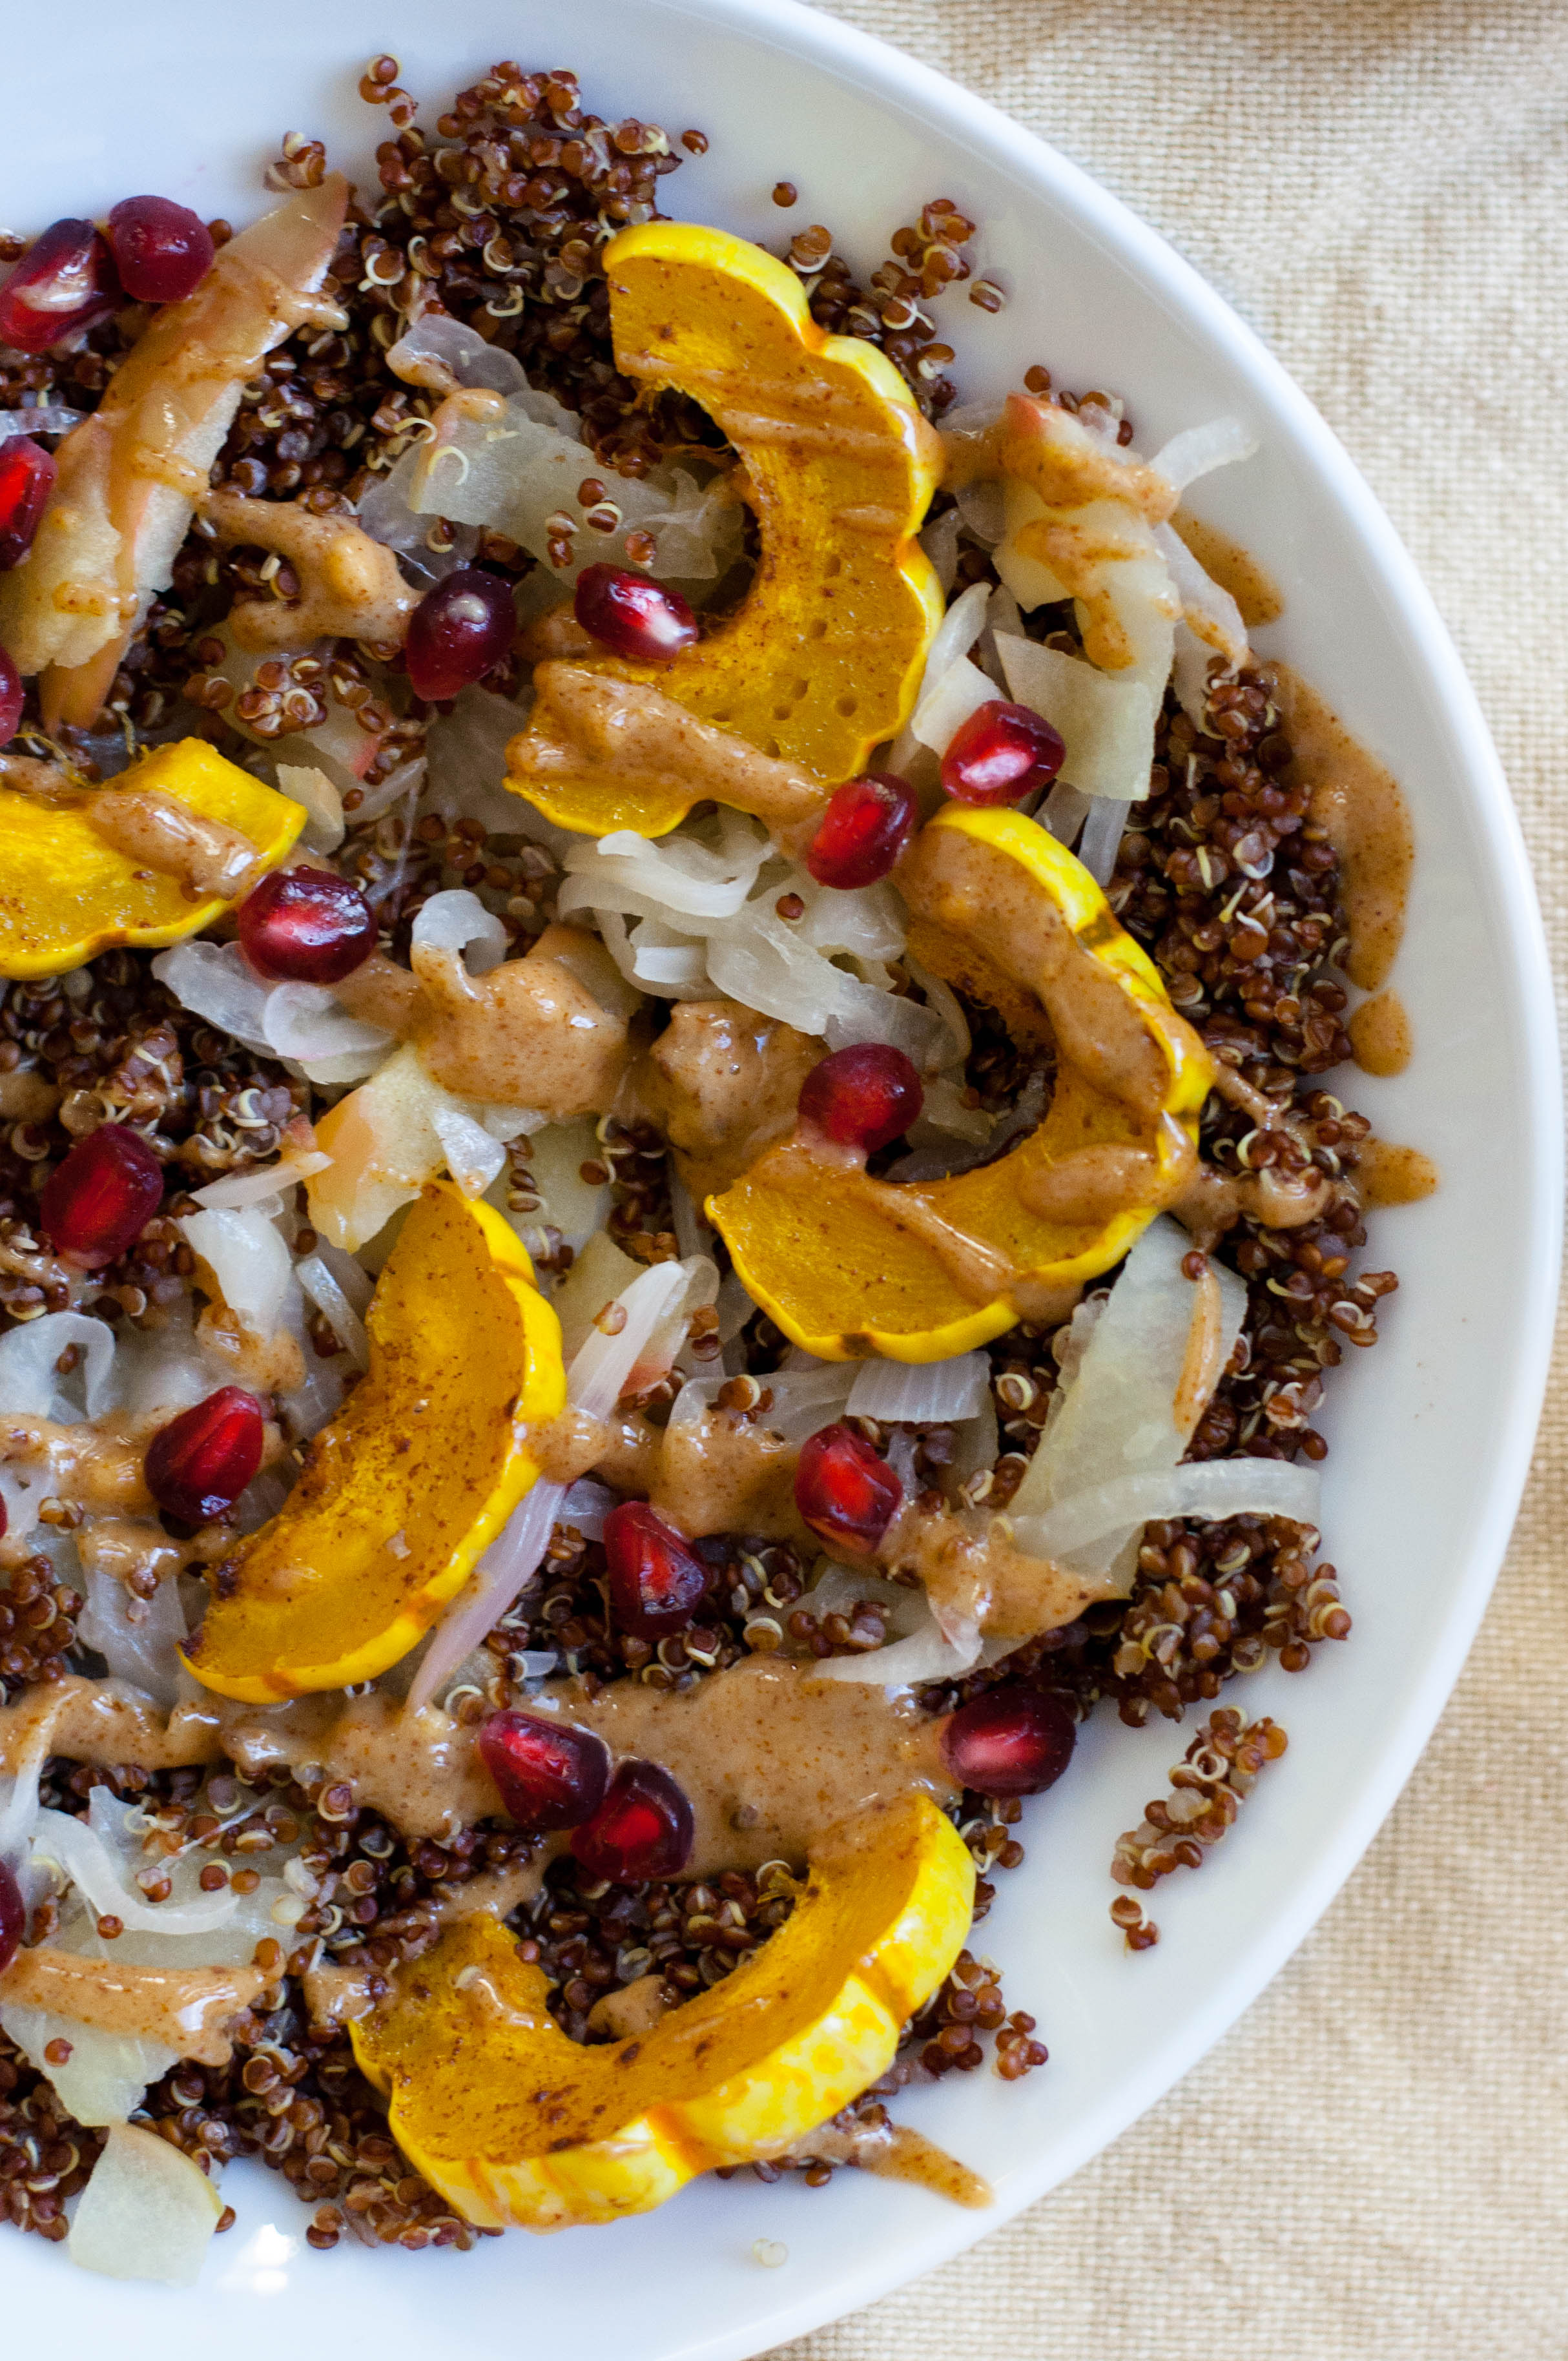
{"type": "Point", "coordinates": [1360, 806]}
{"type": "Point", "coordinates": [898, 2153]}
{"type": "Point", "coordinates": [1381, 1035]}
{"type": "Point", "coordinates": [722, 1083]}
{"type": "Point", "coordinates": [160, 833]}
{"type": "Point", "coordinates": [184, 2009]}
{"type": "Point", "coordinates": [1235, 568]}
{"type": "Point", "coordinates": [350, 586]}
{"type": "Point", "coordinates": [1390, 1175]}
{"type": "Point", "coordinates": [529, 1032]}
{"type": "Point", "coordinates": [639, 743]}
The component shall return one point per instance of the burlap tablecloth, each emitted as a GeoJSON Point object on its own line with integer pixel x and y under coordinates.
{"type": "Point", "coordinates": [1373, 2164]}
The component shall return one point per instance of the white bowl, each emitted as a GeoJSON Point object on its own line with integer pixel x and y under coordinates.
{"type": "Point", "coordinates": [1432, 1431]}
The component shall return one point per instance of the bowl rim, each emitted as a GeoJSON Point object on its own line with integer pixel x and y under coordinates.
{"type": "Point", "coordinates": [895, 83]}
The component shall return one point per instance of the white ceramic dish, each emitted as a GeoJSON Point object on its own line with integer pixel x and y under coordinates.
{"type": "Point", "coordinates": [1431, 1433]}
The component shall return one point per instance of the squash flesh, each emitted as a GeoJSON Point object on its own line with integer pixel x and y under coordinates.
{"type": "Point", "coordinates": [824, 658]}
{"type": "Point", "coordinates": [414, 1478]}
{"type": "Point", "coordinates": [827, 1255]}
{"type": "Point", "coordinates": [66, 893]}
{"type": "Point", "coordinates": [515, 2124]}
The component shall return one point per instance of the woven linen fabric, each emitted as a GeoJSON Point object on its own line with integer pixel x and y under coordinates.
{"type": "Point", "coordinates": [1373, 2165]}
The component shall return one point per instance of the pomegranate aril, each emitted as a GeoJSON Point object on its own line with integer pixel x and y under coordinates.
{"type": "Point", "coordinates": [635, 617]}
{"type": "Point", "coordinates": [1011, 1741]}
{"type": "Point", "coordinates": [101, 1197]}
{"type": "Point", "coordinates": [11, 695]}
{"type": "Point", "coordinates": [551, 1774]}
{"type": "Point", "coordinates": [27, 479]}
{"type": "Point", "coordinates": [199, 1464]}
{"type": "Point", "coordinates": [643, 1828]}
{"type": "Point", "coordinates": [863, 1097]}
{"type": "Point", "coordinates": [844, 1491]}
{"type": "Point", "coordinates": [12, 1917]}
{"type": "Point", "coordinates": [1002, 753]}
{"type": "Point", "coordinates": [864, 832]}
{"type": "Point", "coordinates": [161, 251]}
{"type": "Point", "coordinates": [459, 631]}
{"type": "Point", "coordinates": [64, 281]}
{"type": "Point", "coordinates": [306, 926]}
{"type": "Point", "coordinates": [657, 1579]}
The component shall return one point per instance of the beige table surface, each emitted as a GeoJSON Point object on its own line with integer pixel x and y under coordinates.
{"type": "Point", "coordinates": [1373, 2164]}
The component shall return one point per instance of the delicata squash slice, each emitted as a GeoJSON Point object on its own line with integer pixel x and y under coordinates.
{"type": "Point", "coordinates": [70, 888]}
{"type": "Point", "coordinates": [516, 2124]}
{"type": "Point", "coordinates": [849, 1267]}
{"type": "Point", "coordinates": [824, 658]}
{"type": "Point", "coordinates": [401, 1492]}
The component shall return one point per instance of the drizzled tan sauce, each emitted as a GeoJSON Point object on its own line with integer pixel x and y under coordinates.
{"type": "Point", "coordinates": [1389, 1175]}
{"type": "Point", "coordinates": [769, 1758]}
{"type": "Point", "coordinates": [727, 1473]}
{"type": "Point", "coordinates": [639, 744]}
{"type": "Point", "coordinates": [95, 1463]}
{"type": "Point", "coordinates": [529, 1032]}
{"type": "Point", "coordinates": [1381, 1035]}
{"type": "Point", "coordinates": [133, 1550]}
{"type": "Point", "coordinates": [975, 1578]}
{"type": "Point", "coordinates": [350, 586]}
{"type": "Point", "coordinates": [1362, 811]}
{"type": "Point", "coordinates": [160, 832]}
{"type": "Point", "coordinates": [1224, 561]}
{"type": "Point", "coordinates": [1203, 1364]}
{"type": "Point", "coordinates": [25, 1096]}
{"type": "Point", "coordinates": [185, 2009]}
{"type": "Point", "coordinates": [898, 2153]}
{"type": "Point", "coordinates": [722, 1083]}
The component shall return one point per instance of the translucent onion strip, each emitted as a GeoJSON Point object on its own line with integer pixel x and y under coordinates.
{"type": "Point", "coordinates": [1208, 1489]}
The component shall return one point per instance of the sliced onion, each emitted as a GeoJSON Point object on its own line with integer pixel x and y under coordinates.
{"type": "Point", "coordinates": [603, 1364]}
{"type": "Point", "coordinates": [215, 981]}
{"type": "Point", "coordinates": [475, 1158]}
{"type": "Point", "coordinates": [586, 1505]}
{"type": "Point", "coordinates": [466, 751]}
{"type": "Point", "coordinates": [675, 877]}
{"type": "Point", "coordinates": [982, 507]}
{"type": "Point", "coordinates": [1064, 812]}
{"type": "Point", "coordinates": [960, 689]}
{"type": "Point", "coordinates": [144, 1652]}
{"type": "Point", "coordinates": [517, 1552]}
{"type": "Point", "coordinates": [576, 1207]}
{"type": "Point", "coordinates": [148, 2213]}
{"type": "Point", "coordinates": [30, 1383]}
{"type": "Point", "coordinates": [1198, 450]}
{"type": "Point", "coordinates": [1107, 724]}
{"type": "Point", "coordinates": [42, 419]}
{"type": "Point", "coordinates": [234, 1189]}
{"type": "Point", "coordinates": [307, 783]}
{"type": "Point", "coordinates": [1207, 1487]}
{"type": "Point", "coordinates": [88, 1862]}
{"type": "Point", "coordinates": [926, 1655]}
{"type": "Point", "coordinates": [939, 541]}
{"type": "Point", "coordinates": [1209, 611]}
{"type": "Point", "coordinates": [305, 1021]}
{"type": "Point", "coordinates": [928, 1393]}
{"type": "Point", "coordinates": [457, 921]}
{"type": "Point", "coordinates": [105, 2076]}
{"type": "Point", "coordinates": [249, 1262]}
{"type": "Point", "coordinates": [326, 1294]}
{"type": "Point", "coordinates": [1102, 839]}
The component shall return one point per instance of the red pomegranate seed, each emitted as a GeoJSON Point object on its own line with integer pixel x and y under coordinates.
{"type": "Point", "coordinates": [864, 831]}
{"type": "Point", "coordinates": [101, 1197]}
{"type": "Point", "coordinates": [657, 1579]}
{"type": "Point", "coordinates": [863, 1097]}
{"type": "Point", "coordinates": [12, 1917]}
{"type": "Point", "coordinates": [11, 694]}
{"type": "Point", "coordinates": [642, 1828]}
{"type": "Point", "coordinates": [64, 281]}
{"type": "Point", "coordinates": [1002, 753]}
{"type": "Point", "coordinates": [199, 1464]}
{"type": "Point", "coordinates": [635, 617]}
{"type": "Point", "coordinates": [27, 479]}
{"type": "Point", "coordinates": [459, 631]}
{"type": "Point", "coordinates": [161, 251]}
{"type": "Point", "coordinates": [306, 926]}
{"type": "Point", "coordinates": [1011, 1741]}
{"type": "Point", "coordinates": [551, 1774]}
{"type": "Point", "coordinates": [844, 1491]}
